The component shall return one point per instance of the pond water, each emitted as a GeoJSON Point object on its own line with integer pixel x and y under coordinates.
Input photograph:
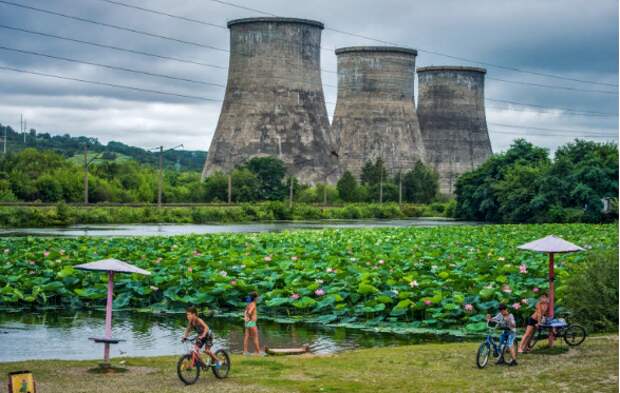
{"type": "Point", "coordinates": [111, 230]}
{"type": "Point", "coordinates": [64, 335]}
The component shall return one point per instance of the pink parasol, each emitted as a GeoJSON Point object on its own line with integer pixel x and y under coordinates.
{"type": "Point", "coordinates": [551, 245]}
{"type": "Point", "coordinates": [111, 266]}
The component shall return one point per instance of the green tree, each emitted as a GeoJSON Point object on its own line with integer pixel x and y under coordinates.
{"type": "Point", "coordinates": [347, 187]}
{"type": "Point", "coordinates": [421, 184]}
{"type": "Point", "coordinates": [270, 173]}
{"type": "Point", "coordinates": [373, 173]}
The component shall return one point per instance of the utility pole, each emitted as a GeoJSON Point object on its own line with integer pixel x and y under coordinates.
{"type": "Point", "coordinates": [4, 148]}
{"type": "Point", "coordinates": [229, 189]}
{"type": "Point", "coordinates": [25, 128]}
{"type": "Point", "coordinates": [86, 174]}
{"type": "Point", "coordinates": [161, 175]}
{"type": "Point", "coordinates": [400, 187]}
{"type": "Point", "coordinates": [160, 187]}
{"type": "Point", "coordinates": [381, 185]}
{"type": "Point", "coordinates": [290, 193]}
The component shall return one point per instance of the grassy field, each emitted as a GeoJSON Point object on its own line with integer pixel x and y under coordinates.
{"type": "Point", "coordinates": [592, 367]}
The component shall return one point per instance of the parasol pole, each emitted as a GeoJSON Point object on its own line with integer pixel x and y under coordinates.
{"type": "Point", "coordinates": [108, 318]}
{"type": "Point", "coordinates": [551, 295]}
{"type": "Point", "coordinates": [551, 285]}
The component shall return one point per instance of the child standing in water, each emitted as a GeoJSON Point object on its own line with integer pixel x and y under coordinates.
{"type": "Point", "coordinates": [251, 330]}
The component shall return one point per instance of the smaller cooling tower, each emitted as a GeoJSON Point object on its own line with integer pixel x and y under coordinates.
{"type": "Point", "coordinates": [453, 120]}
{"type": "Point", "coordinates": [375, 113]}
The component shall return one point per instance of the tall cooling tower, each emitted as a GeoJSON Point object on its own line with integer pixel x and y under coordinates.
{"type": "Point", "coordinates": [453, 120]}
{"type": "Point", "coordinates": [274, 103]}
{"type": "Point", "coordinates": [375, 114]}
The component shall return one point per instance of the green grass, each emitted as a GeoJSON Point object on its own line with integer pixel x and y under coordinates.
{"type": "Point", "coordinates": [592, 367]}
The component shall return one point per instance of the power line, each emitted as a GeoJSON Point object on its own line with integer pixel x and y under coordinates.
{"type": "Point", "coordinates": [163, 13]}
{"type": "Point", "coordinates": [549, 107]}
{"type": "Point", "coordinates": [549, 129]}
{"type": "Point", "coordinates": [554, 135]}
{"type": "Point", "coordinates": [116, 48]}
{"type": "Point", "coordinates": [118, 86]}
{"type": "Point", "coordinates": [552, 86]}
{"type": "Point", "coordinates": [184, 18]}
{"type": "Point", "coordinates": [536, 110]}
{"type": "Point", "coordinates": [159, 92]}
{"type": "Point", "coordinates": [117, 27]}
{"type": "Point", "coordinates": [510, 68]}
{"type": "Point", "coordinates": [109, 66]}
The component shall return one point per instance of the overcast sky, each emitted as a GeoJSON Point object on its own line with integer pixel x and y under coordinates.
{"type": "Point", "coordinates": [569, 38]}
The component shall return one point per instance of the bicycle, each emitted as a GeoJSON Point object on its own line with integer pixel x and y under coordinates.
{"type": "Point", "coordinates": [190, 364]}
{"type": "Point", "coordinates": [499, 348]}
{"type": "Point", "coordinates": [573, 334]}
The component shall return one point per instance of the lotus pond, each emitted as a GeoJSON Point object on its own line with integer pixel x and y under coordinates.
{"type": "Point", "coordinates": [394, 278]}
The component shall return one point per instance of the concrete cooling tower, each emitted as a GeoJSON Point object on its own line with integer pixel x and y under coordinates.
{"type": "Point", "coordinates": [274, 103]}
{"type": "Point", "coordinates": [375, 112]}
{"type": "Point", "coordinates": [453, 120]}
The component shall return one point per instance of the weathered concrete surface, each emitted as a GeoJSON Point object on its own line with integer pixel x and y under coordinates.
{"type": "Point", "coordinates": [452, 117]}
{"type": "Point", "coordinates": [274, 103]}
{"type": "Point", "coordinates": [375, 112]}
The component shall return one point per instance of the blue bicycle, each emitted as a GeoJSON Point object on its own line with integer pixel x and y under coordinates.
{"type": "Point", "coordinates": [490, 345]}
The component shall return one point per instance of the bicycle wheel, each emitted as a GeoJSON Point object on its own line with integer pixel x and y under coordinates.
{"type": "Point", "coordinates": [482, 357]}
{"type": "Point", "coordinates": [186, 370]}
{"type": "Point", "coordinates": [574, 335]}
{"type": "Point", "coordinates": [224, 359]}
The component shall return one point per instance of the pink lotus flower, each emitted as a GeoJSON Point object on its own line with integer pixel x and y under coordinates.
{"type": "Point", "coordinates": [319, 292]}
{"type": "Point", "coordinates": [469, 308]}
{"type": "Point", "coordinates": [428, 302]}
{"type": "Point", "coordinates": [223, 273]}
{"type": "Point", "coordinates": [414, 284]}
{"type": "Point", "coordinates": [189, 269]}
{"type": "Point", "coordinates": [524, 301]}
{"type": "Point", "coordinates": [46, 253]}
{"type": "Point", "coordinates": [506, 288]}
{"type": "Point", "coordinates": [295, 296]}
{"type": "Point", "coordinates": [381, 262]}
{"type": "Point", "coordinates": [233, 282]}
{"type": "Point", "coordinates": [294, 258]}
{"type": "Point", "coordinates": [516, 306]}
{"type": "Point", "coordinates": [523, 268]}
{"type": "Point", "coordinates": [267, 258]}
{"type": "Point", "coordinates": [535, 290]}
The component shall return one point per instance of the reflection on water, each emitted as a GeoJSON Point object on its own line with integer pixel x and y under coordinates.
{"type": "Point", "coordinates": [185, 229]}
{"type": "Point", "coordinates": [64, 335]}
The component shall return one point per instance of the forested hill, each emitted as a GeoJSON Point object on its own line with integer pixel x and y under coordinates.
{"type": "Point", "coordinates": [70, 146]}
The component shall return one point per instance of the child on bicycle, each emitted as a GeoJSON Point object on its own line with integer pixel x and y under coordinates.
{"type": "Point", "coordinates": [506, 321]}
{"type": "Point", "coordinates": [205, 335]}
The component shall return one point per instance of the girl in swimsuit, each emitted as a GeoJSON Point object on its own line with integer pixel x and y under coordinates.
{"type": "Point", "coordinates": [251, 330]}
{"type": "Point", "coordinates": [533, 321]}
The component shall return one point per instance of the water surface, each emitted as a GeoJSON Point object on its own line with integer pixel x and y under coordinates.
{"type": "Point", "coordinates": [28, 335]}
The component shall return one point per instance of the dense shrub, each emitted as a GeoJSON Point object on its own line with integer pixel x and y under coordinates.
{"type": "Point", "coordinates": [591, 292]}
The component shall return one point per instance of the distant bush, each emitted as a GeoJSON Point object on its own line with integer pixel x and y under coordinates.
{"type": "Point", "coordinates": [591, 291]}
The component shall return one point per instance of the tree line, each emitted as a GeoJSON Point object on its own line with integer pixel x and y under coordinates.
{"type": "Point", "coordinates": [524, 184]}
{"type": "Point", "coordinates": [32, 175]}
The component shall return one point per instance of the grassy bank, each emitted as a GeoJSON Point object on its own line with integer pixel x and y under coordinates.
{"type": "Point", "coordinates": [592, 367]}
{"type": "Point", "coordinates": [62, 214]}
{"type": "Point", "coordinates": [441, 277]}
